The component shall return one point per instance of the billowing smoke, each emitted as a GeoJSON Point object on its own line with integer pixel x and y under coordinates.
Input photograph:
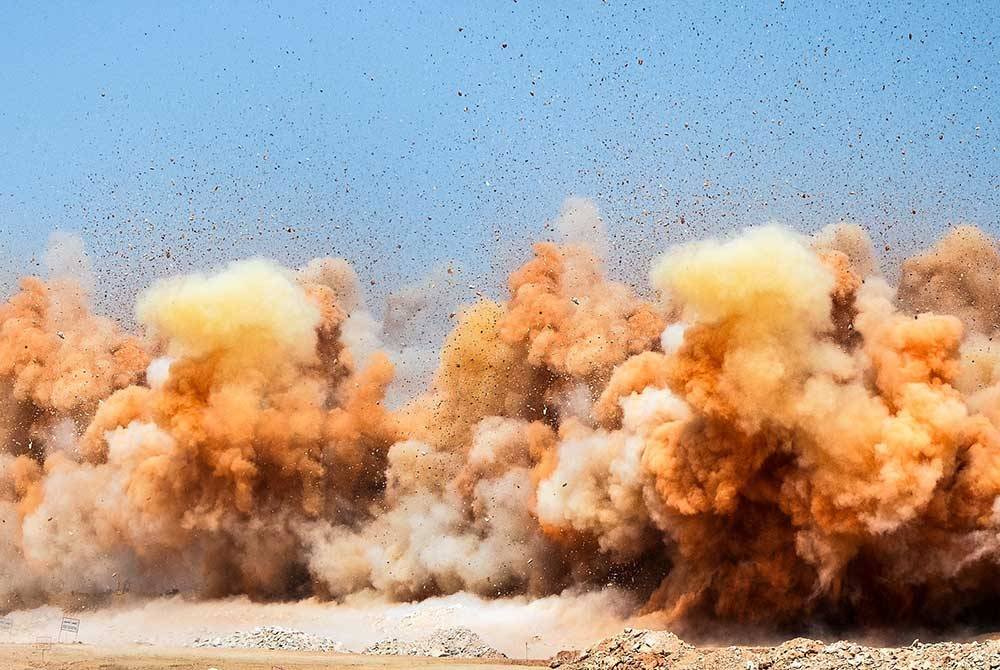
{"type": "Point", "coordinates": [776, 439]}
{"type": "Point", "coordinates": [959, 275]}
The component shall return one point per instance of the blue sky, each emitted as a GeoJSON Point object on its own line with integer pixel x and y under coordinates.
{"type": "Point", "coordinates": [402, 135]}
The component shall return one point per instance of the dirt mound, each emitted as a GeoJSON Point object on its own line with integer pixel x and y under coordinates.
{"type": "Point", "coordinates": [272, 637]}
{"type": "Point", "coordinates": [446, 643]}
{"type": "Point", "coordinates": [648, 650]}
{"type": "Point", "coordinates": [629, 649]}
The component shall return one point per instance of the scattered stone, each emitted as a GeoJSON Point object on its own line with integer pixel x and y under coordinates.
{"type": "Point", "coordinates": [632, 648]}
{"type": "Point", "coordinates": [273, 638]}
{"type": "Point", "coordinates": [445, 643]}
{"type": "Point", "coordinates": [564, 657]}
{"type": "Point", "coordinates": [647, 650]}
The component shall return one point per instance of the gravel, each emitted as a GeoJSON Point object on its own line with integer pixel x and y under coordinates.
{"type": "Point", "coordinates": [629, 649]}
{"type": "Point", "coordinates": [648, 650]}
{"type": "Point", "coordinates": [274, 638]}
{"type": "Point", "coordinates": [445, 643]}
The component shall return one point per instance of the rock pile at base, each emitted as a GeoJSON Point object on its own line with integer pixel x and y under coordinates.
{"type": "Point", "coordinates": [565, 657]}
{"type": "Point", "coordinates": [629, 649]}
{"type": "Point", "coordinates": [649, 650]}
{"type": "Point", "coordinates": [445, 643]}
{"type": "Point", "coordinates": [273, 638]}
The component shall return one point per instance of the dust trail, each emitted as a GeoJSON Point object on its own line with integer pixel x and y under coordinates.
{"type": "Point", "coordinates": [564, 621]}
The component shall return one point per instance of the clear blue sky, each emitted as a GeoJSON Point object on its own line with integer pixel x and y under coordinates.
{"type": "Point", "coordinates": [404, 134]}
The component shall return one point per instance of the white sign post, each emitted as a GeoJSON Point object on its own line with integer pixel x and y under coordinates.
{"type": "Point", "coordinates": [534, 638]}
{"type": "Point", "coordinates": [69, 625]}
{"type": "Point", "coordinates": [42, 644]}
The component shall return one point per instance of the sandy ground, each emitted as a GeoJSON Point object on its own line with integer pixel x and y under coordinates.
{"type": "Point", "coordinates": [137, 657]}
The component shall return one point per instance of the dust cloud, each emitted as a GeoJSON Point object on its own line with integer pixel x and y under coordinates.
{"type": "Point", "coordinates": [773, 436]}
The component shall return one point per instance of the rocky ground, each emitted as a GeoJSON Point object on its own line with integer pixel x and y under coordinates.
{"type": "Point", "coordinates": [273, 638]}
{"type": "Point", "coordinates": [446, 643]}
{"type": "Point", "coordinates": [648, 650]}
{"type": "Point", "coordinates": [632, 649]}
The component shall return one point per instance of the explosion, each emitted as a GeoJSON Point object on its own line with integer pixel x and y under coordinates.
{"type": "Point", "coordinates": [779, 437]}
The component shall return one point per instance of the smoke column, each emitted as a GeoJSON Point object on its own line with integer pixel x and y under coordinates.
{"type": "Point", "coordinates": [777, 437]}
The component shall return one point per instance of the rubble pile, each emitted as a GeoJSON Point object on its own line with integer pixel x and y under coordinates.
{"type": "Point", "coordinates": [648, 650]}
{"type": "Point", "coordinates": [445, 643]}
{"type": "Point", "coordinates": [632, 648]}
{"type": "Point", "coordinates": [814, 655]}
{"type": "Point", "coordinates": [565, 656]}
{"type": "Point", "coordinates": [273, 638]}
